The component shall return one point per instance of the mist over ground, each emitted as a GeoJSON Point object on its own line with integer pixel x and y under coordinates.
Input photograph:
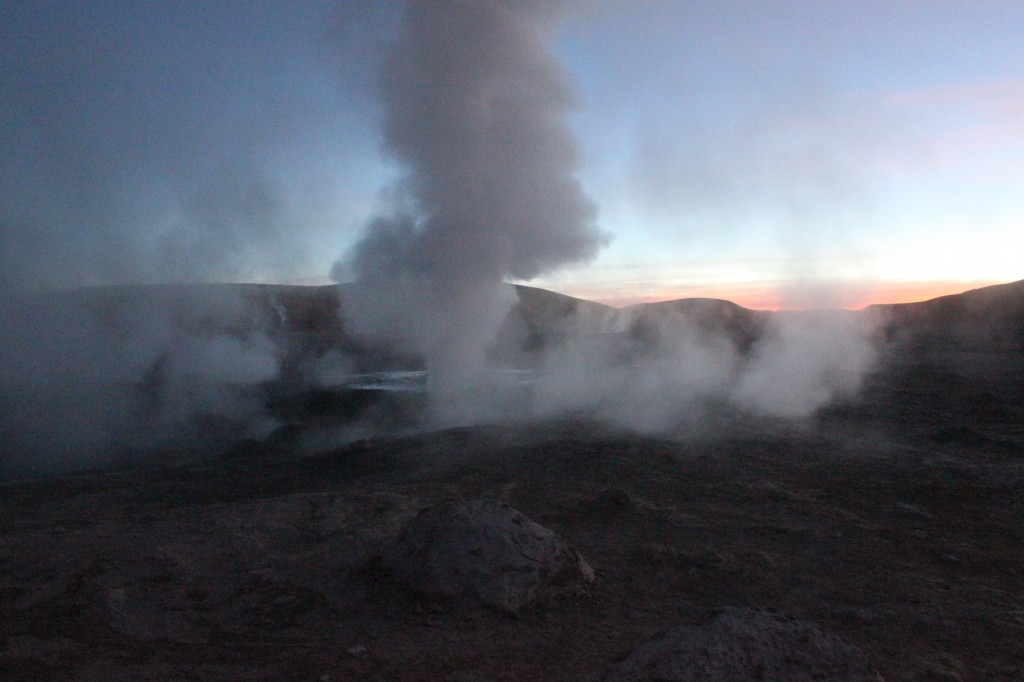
{"type": "Point", "coordinates": [474, 106]}
{"type": "Point", "coordinates": [132, 375]}
{"type": "Point", "coordinates": [165, 374]}
{"type": "Point", "coordinates": [162, 374]}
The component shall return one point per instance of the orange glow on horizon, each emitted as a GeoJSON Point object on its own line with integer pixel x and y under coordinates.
{"type": "Point", "coordinates": [783, 296]}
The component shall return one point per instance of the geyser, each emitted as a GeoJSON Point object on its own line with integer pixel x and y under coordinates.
{"type": "Point", "coordinates": [475, 108]}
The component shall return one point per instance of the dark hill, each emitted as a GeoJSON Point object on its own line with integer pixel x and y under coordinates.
{"type": "Point", "coordinates": [986, 318]}
{"type": "Point", "coordinates": [714, 318]}
{"type": "Point", "coordinates": [311, 319]}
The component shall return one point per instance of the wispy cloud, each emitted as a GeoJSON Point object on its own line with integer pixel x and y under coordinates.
{"type": "Point", "coordinates": [967, 118]}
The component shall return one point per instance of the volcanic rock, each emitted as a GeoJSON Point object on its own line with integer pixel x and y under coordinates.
{"type": "Point", "coordinates": [484, 550]}
{"type": "Point", "coordinates": [738, 645]}
{"type": "Point", "coordinates": [614, 500]}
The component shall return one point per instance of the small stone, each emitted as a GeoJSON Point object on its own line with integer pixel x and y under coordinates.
{"type": "Point", "coordinates": [615, 499]}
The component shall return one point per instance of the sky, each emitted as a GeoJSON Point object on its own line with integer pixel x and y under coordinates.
{"type": "Point", "coordinates": [780, 154]}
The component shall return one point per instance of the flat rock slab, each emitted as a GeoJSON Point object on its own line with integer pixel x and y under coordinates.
{"type": "Point", "coordinates": [484, 550]}
{"type": "Point", "coordinates": [739, 645]}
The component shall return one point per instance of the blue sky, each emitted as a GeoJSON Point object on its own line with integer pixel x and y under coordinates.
{"type": "Point", "coordinates": [776, 153]}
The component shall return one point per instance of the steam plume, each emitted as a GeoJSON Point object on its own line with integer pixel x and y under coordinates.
{"type": "Point", "coordinates": [105, 376]}
{"type": "Point", "coordinates": [475, 111]}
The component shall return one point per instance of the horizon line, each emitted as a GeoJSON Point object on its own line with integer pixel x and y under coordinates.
{"type": "Point", "coordinates": [767, 295]}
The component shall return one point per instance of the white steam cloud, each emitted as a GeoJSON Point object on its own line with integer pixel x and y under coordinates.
{"type": "Point", "coordinates": [475, 108]}
{"type": "Point", "coordinates": [108, 376]}
{"type": "Point", "coordinates": [669, 369]}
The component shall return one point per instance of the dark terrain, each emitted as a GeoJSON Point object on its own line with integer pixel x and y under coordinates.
{"type": "Point", "coordinates": [894, 519]}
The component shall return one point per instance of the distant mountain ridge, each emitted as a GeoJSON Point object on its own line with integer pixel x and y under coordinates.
{"type": "Point", "coordinates": [991, 316]}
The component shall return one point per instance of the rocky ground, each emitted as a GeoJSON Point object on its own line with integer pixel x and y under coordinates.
{"type": "Point", "coordinates": [893, 523]}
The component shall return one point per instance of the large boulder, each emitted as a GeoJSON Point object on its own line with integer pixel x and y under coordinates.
{"type": "Point", "coordinates": [739, 645]}
{"type": "Point", "coordinates": [484, 550]}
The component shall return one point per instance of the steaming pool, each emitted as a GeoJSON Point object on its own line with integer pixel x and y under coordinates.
{"type": "Point", "coordinates": [416, 381]}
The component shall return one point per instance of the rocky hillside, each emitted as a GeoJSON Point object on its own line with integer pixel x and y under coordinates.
{"type": "Point", "coordinates": [987, 318]}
